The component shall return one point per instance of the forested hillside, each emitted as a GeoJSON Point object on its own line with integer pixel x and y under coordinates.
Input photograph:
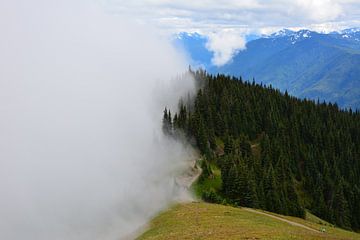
{"type": "Point", "coordinates": [274, 151]}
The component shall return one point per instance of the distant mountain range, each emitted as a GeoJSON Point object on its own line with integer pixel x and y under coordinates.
{"type": "Point", "coordinates": [194, 45]}
{"type": "Point", "coordinates": [305, 63]}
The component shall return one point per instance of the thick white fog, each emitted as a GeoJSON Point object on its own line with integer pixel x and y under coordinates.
{"type": "Point", "coordinates": [82, 155]}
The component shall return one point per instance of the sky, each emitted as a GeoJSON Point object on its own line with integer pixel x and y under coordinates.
{"type": "Point", "coordinates": [227, 22]}
{"type": "Point", "coordinates": [246, 15]}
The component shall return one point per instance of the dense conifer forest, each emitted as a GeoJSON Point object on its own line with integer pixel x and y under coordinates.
{"type": "Point", "coordinates": [275, 152]}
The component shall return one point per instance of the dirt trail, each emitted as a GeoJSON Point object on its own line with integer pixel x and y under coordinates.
{"type": "Point", "coordinates": [281, 219]}
{"type": "Point", "coordinates": [186, 179]}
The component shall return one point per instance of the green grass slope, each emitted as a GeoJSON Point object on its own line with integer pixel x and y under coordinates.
{"type": "Point", "coordinates": [200, 220]}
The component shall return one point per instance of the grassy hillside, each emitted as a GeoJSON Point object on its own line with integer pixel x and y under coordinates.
{"type": "Point", "coordinates": [213, 221]}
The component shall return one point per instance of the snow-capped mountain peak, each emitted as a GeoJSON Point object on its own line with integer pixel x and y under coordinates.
{"type": "Point", "coordinates": [282, 33]}
{"type": "Point", "coordinates": [350, 31]}
{"type": "Point", "coordinates": [293, 36]}
{"type": "Point", "coordinates": [182, 35]}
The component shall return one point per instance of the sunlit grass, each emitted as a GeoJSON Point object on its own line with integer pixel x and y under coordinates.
{"type": "Point", "coordinates": [212, 221]}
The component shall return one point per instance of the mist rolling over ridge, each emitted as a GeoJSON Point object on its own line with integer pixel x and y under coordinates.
{"type": "Point", "coordinates": [82, 155]}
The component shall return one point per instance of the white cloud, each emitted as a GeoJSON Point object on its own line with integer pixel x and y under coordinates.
{"type": "Point", "coordinates": [224, 45]}
{"type": "Point", "coordinates": [319, 10]}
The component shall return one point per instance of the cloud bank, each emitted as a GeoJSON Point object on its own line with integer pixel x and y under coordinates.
{"type": "Point", "coordinates": [82, 155]}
